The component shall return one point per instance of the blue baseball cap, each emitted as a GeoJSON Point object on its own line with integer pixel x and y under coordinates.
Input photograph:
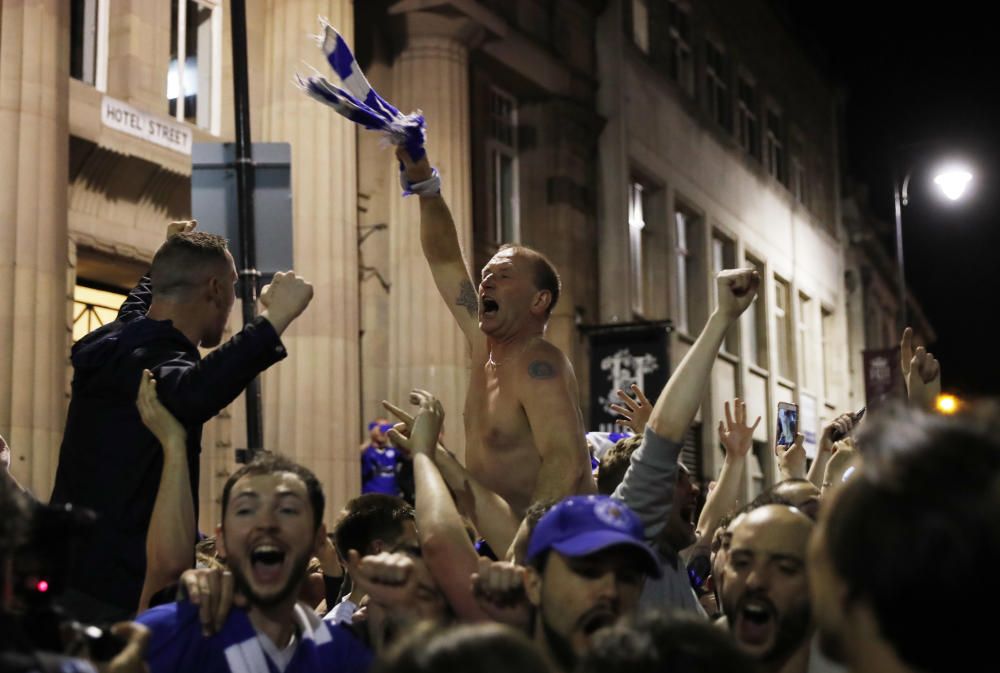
{"type": "Point", "coordinates": [581, 525]}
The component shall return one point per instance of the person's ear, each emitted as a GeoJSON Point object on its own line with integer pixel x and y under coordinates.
{"type": "Point", "coordinates": [220, 542]}
{"type": "Point", "coordinates": [542, 301]}
{"type": "Point", "coordinates": [320, 539]}
{"type": "Point", "coordinates": [533, 586]}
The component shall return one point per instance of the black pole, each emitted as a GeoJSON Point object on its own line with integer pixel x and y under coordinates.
{"type": "Point", "coordinates": [244, 204]}
{"type": "Point", "coordinates": [899, 200]}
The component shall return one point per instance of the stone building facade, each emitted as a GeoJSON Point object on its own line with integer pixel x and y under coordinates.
{"type": "Point", "coordinates": [641, 144]}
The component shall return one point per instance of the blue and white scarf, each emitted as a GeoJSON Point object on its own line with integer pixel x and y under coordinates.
{"type": "Point", "coordinates": [357, 100]}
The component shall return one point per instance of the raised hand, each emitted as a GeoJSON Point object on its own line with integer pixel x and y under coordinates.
{"type": "Point", "coordinates": [923, 381]}
{"type": "Point", "coordinates": [389, 579]}
{"type": "Point", "coordinates": [841, 426]}
{"type": "Point", "coordinates": [167, 429]}
{"type": "Point", "coordinates": [180, 227]}
{"type": "Point", "coordinates": [736, 436]}
{"type": "Point", "coordinates": [636, 411]}
{"type": "Point", "coordinates": [426, 426]}
{"type": "Point", "coordinates": [736, 290]}
{"type": "Point", "coordinates": [213, 591]}
{"type": "Point", "coordinates": [285, 298]}
{"type": "Point", "coordinates": [792, 459]}
{"type": "Point", "coordinates": [499, 591]}
{"type": "Point", "coordinates": [132, 658]}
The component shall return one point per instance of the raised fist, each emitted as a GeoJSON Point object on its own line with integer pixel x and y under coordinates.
{"type": "Point", "coordinates": [737, 288]}
{"type": "Point", "coordinates": [285, 298]}
{"type": "Point", "coordinates": [180, 227]}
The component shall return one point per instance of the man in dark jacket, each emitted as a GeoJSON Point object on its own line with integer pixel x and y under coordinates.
{"type": "Point", "coordinates": [108, 460]}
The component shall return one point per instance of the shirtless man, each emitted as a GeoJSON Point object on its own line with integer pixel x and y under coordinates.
{"type": "Point", "coordinates": [523, 428]}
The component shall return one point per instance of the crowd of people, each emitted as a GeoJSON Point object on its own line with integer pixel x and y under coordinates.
{"type": "Point", "coordinates": [876, 556]}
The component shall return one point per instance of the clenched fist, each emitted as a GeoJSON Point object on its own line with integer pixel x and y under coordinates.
{"type": "Point", "coordinates": [284, 299]}
{"type": "Point", "coordinates": [737, 288]}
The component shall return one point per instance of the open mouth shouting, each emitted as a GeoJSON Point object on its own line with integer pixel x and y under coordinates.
{"type": "Point", "coordinates": [267, 561]}
{"type": "Point", "coordinates": [490, 306]}
{"type": "Point", "coordinates": [756, 623]}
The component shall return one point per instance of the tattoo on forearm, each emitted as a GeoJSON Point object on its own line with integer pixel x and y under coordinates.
{"type": "Point", "coordinates": [540, 369]}
{"type": "Point", "coordinates": [467, 298]}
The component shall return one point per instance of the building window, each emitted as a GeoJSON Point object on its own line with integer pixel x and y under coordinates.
{"type": "Point", "coordinates": [782, 325]}
{"type": "Point", "coordinates": [637, 243]}
{"type": "Point", "coordinates": [748, 123]}
{"type": "Point", "coordinates": [756, 319]}
{"type": "Point", "coordinates": [640, 24]}
{"type": "Point", "coordinates": [686, 245]}
{"type": "Point", "coordinates": [717, 85]}
{"type": "Point", "coordinates": [798, 180]}
{"type": "Point", "coordinates": [94, 305]}
{"type": "Point", "coordinates": [724, 257]}
{"type": "Point", "coordinates": [805, 349]}
{"type": "Point", "coordinates": [502, 152]}
{"type": "Point", "coordinates": [88, 51]}
{"type": "Point", "coordinates": [774, 147]}
{"type": "Point", "coordinates": [195, 67]}
{"type": "Point", "coordinates": [681, 62]}
{"type": "Point", "coordinates": [827, 330]}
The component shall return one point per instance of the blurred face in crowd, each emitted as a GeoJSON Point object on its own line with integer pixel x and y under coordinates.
{"type": "Point", "coordinates": [828, 595]}
{"type": "Point", "coordinates": [679, 532]}
{"type": "Point", "coordinates": [803, 495]}
{"type": "Point", "coordinates": [4, 455]}
{"type": "Point", "coordinates": [765, 592]}
{"type": "Point", "coordinates": [268, 535]}
{"type": "Point", "coordinates": [221, 297]}
{"type": "Point", "coordinates": [721, 555]}
{"type": "Point", "coordinates": [376, 434]}
{"type": "Point", "coordinates": [508, 298]}
{"type": "Point", "coordinates": [574, 597]}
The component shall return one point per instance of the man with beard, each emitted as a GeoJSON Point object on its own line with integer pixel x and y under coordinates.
{"type": "Point", "coordinates": [765, 591]}
{"type": "Point", "coordinates": [271, 527]}
{"type": "Point", "coordinates": [587, 562]}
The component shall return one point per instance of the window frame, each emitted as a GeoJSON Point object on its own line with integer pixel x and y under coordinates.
{"type": "Point", "coordinates": [497, 149]}
{"type": "Point", "coordinates": [748, 126]}
{"type": "Point", "coordinates": [716, 81]}
{"type": "Point", "coordinates": [214, 116]}
{"type": "Point", "coordinates": [100, 48]}
{"type": "Point", "coordinates": [775, 151]}
{"type": "Point", "coordinates": [680, 41]}
{"type": "Point", "coordinates": [785, 362]}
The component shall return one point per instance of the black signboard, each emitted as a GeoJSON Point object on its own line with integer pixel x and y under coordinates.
{"type": "Point", "coordinates": [883, 377]}
{"type": "Point", "coordinates": [623, 354]}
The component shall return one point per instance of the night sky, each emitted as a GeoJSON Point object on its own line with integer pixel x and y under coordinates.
{"type": "Point", "coordinates": [927, 75]}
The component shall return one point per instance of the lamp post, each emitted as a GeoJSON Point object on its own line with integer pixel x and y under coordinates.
{"type": "Point", "coordinates": [952, 182]}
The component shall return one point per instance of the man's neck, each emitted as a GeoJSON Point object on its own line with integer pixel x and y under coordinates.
{"type": "Point", "coordinates": [503, 350]}
{"type": "Point", "coordinates": [179, 314]}
{"type": "Point", "coordinates": [798, 662]}
{"type": "Point", "coordinates": [277, 622]}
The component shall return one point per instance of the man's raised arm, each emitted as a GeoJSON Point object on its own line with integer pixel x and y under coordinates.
{"type": "Point", "coordinates": [439, 240]}
{"type": "Point", "coordinates": [648, 484]}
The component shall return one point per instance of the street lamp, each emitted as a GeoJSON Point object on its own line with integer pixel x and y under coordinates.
{"type": "Point", "coordinates": [952, 180]}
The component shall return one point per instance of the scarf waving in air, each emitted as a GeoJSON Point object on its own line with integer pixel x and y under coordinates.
{"type": "Point", "coordinates": [360, 103]}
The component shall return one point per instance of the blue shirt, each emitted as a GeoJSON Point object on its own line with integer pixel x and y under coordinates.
{"type": "Point", "coordinates": [178, 646]}
{"type": "Point", "coordinates": [378, 471]}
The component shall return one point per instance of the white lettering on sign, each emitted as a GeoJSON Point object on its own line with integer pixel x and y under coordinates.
{"type": "Point", "coordinates": [158, 130]}
{"type": "Point", "coordinates": [623, 370]}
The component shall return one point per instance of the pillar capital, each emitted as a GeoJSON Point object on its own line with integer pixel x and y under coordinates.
{"type": "Point", "coordinates": [462, 21]}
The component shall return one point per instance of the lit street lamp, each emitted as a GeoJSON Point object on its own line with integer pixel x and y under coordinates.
{"type": "Point", "coordinates": [952, 181]}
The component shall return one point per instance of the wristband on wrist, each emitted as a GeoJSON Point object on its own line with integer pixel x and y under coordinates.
{"type": "Point", "coordinates": [428, 187]}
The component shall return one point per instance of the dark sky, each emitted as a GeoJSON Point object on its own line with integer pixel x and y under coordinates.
{"type": "Point", "coordinates": [928, 75]}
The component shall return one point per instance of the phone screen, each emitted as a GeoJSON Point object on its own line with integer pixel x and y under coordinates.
{"type": "Point", "coordinates": [788, 424]}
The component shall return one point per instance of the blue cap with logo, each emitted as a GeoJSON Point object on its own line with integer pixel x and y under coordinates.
{"type": "Point", "coordinates": [581, 525]}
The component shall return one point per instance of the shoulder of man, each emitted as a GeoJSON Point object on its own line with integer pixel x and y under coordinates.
{"type": "Point", "coordinates": [340, 647]}
{"type": "Point", "coordinates": [176, 641]}
{"type": "Point", "coordinates": [543, 360]}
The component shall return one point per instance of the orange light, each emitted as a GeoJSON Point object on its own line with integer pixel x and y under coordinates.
{"type": "Point", "coordinates": [947, 404]}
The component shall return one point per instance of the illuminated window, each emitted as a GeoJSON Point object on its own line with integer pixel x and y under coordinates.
{"type": "Point", "coordinates": [93, 307]}
{"type": "Point", "coordinates": [502, 148]}
{"type": "Point", "coordinates": [782, 327]}
{"type": "Point", "coordinates": [755, 319]}
{"type": "Point", "coordinates": [724, 257]}
{"type": "Point", "coordinates": [88, 42]}
{"type": "Point", "coordinates": [640, 24]}
{"type": "Point", "coordinates": [195, 42]}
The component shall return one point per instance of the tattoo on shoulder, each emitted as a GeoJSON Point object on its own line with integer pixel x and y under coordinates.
{"type": "Point", "coordinates": [467, 298]}
{"type": "Point", "coordinates": [540, 369]}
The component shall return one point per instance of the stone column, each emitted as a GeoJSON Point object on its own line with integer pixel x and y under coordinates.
{"type": "Point", "coordinates": [34, 307]}
{"type": "Point", "coordinates": [311, 399]}
{"type": "Point", "coordinates": [426, 348]}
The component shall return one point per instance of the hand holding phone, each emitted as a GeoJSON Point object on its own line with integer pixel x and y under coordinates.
{"type": "Point", "coordinates": [788, 424]}
{"type": "Point", "coordinates": [838, 434]}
